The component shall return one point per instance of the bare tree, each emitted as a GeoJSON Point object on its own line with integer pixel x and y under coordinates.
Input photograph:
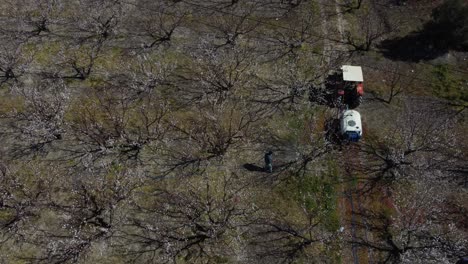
{"type": "Point", "coordinates": [417, 229]}
{"type": "Point", "coordinates": [40, 121]}
{"type": "Point", "coordinates": [14, 63]}
{"type": "Point", "coordinates": [418, 141]}
{"type": "Point", "coordinates": [291, 38]}
{"type": "Point", "coordinates": [208, 134]}
{"type": "Point", "coordinates": [153, 23]}
{"type": "Point", "coordinates": [61, 219]}
{"type": "Point", "coordinates": [220, 74]}
{"type": "Point", "coordinates": [26, 192]}
{"type": "Point", "coordinates": [30, 20]}
{"type": "Point", "coordinates": [193, 223]}
{"type": "Point", "coordinates": [115, 125]}
{"type": "Point", "coordinates": [395, 84]}
{"type": "Point", "coordinates": [275, 238]}
{"type": "Point", "coordinates": [371, 28]}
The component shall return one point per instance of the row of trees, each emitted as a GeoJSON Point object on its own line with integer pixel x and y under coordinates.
{"type": "Point", "coordinates": [126, 127]}
{"type": "Point", "coordinates": [127, 123]}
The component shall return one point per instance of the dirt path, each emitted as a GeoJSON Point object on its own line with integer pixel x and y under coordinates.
{"type": "Point", "coordinates": [334, 31]}
{"type": "Point", "coordinates": [339, 21]}
{"type": "Point", "coordinates": [350, 205]}
{"type": "Point", "coordinates": [345, 204]}
{"type": "Point", "coordinates": [325, 32]}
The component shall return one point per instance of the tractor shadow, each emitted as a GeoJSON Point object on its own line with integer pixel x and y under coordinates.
{"type": "Point", "coordinates": [326, 94]}
{"type": "Point", "coordinates": [332, 131]}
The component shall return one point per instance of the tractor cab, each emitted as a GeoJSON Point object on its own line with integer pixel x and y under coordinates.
{"type": "Point", "coordinates": [350, 125]}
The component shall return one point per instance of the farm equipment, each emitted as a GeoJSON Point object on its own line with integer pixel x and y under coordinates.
{"type": "Point", "coordinates": [343, 87]}
{"type": "Point", "coordinates": [347, 127]}
{"type": "Point", "coordinates": [343, 91]}
{"type": "Point", "coordinates": [346, 86]}
{"type": "Point", "coordinates": [350, 125]}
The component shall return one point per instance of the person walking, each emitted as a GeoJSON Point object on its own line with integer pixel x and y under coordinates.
{"type": "Point", "coordinates": [269, 161]}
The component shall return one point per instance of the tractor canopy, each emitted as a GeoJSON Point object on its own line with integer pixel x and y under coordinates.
{"type": "Point", "coordinates": [352, 73]}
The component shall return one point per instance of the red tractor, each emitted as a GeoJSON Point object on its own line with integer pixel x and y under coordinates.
{"type": "Point", "coordinates": [346, 86]}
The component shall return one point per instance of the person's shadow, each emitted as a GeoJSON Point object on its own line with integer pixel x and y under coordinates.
{"type": "Point", "coordinates": [253, 167]}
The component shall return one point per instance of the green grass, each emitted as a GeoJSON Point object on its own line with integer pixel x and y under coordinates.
{"type": "Point", "coordinates": [318, 194]}
{"type": "Point", "coordinates": [448, 86]}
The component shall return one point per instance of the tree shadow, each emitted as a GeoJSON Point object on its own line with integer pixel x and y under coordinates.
{"type": "Point", "coordinates": [433, 40]}
{"type": "Point", "coordinates": [416, 46]}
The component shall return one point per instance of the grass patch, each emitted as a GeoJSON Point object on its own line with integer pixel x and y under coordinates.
{"type": "Point", "coordinates": [318, 194]}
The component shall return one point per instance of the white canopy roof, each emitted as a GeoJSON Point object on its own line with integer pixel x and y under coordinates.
{"type": "Point", "coordinates": [352, 73]}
